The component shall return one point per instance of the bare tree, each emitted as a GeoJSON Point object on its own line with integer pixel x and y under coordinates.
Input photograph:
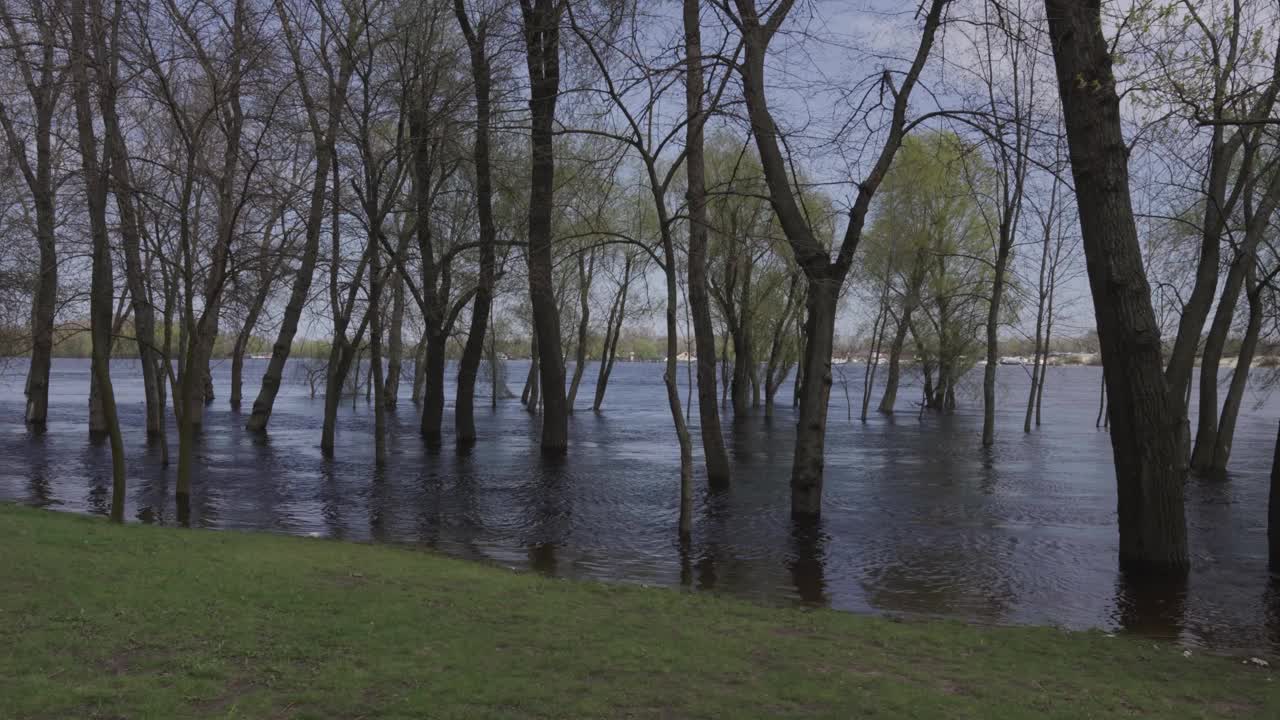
{"type": "Point", "coordinates": [1150, 471]}
{"type": "Point", "coordinates": [89, 29]}
{"type": "Point", "coordinates": [717, 460]}
{"type": "Point", "coordinates": [825, 275]}
{"type": "Point", "coordinates": [541, 24]}
{"type": "Point", "coordinates": [337, 37]}
{"type": "Point", "coordinates": [33, 41]}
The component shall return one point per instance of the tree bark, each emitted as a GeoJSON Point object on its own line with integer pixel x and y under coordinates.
{"type": "Point", "coordinates": [894, 374]}
{"type": "Point", "coordinates": [1003, 253]}
{"type": "Point", "coordinates": [324, 148]}
{"type": "Point", "coordinates": [376, 281]}
{"type": "Point", "coordinates": [542, 41]}
{"type": "Point", "coordinates": [586, 271]}
{"type": "Point", "coordinates": [395, 346]}
{"type": "Point", "coordinates": [1256, 224]}
{"type": "Point", "coordinates": [1145, 417]}
{"type": "Point", "coordinates": [1239, 378]}
{"type": "Point", "coordinates": [419, 370]}
{"type": "Point", "coordinates": [704, 338]}
{"type": "Point", "coordinates": [96, 183]}
{"type": "Point", "coordinates": [44, 86]}
{"type": "Point", "coordinates": [825, 276]}
{"type": "Point", "coordinates": [612, 332]}
{"type": "Point", "coordinates": [1273, 510]}
{"type": "Point", "coordinates": [469, 365]}
{"type": "Point", "coordinates": [815, 393]}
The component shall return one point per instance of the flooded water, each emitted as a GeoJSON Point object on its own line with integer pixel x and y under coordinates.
{"type": "Point", "coordinates": [918, 519]}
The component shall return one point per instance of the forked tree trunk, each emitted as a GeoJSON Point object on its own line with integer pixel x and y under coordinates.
{"type": "Point", "coordinates": [324, 139]}
{"type": "Point", "coordinates": [825, 275]}
{"type": "Point", "coordinates": [612, 332]}
{"type": "Point", "coordinates": [586, 270]}
{"type": "Point", "coordinates": [1145, 417]}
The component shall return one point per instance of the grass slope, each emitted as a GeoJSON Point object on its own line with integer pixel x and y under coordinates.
{"type": "Point", "coordinates": [144, 622]}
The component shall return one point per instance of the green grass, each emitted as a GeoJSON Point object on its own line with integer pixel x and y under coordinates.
{"type": "Point", "coordinates": [144, 622]}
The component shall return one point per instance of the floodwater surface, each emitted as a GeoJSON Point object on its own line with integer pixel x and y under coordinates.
{"type": "Point", "coordinates": [917, 517]}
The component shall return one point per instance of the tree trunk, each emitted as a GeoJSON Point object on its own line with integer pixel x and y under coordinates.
{"type": "Point", "coordinates": [43, 311]}
{"type": "Point", "coordinates": [419, 370]}
{"type": "Point", "coordinates": [613, 331]}
{"type": "Point", "coordinates": [1239, 379]}
{"type": "Point", "coordinates": [529, 396]}
{"type": "Point", "coordinates": [469, 365]}
{"type": "Point", "coordinates": [395, 345]}
{"type": "Point", "coordinates": [1256, 223]}
{"type": "Point", "coordinates": [740, 391]}
{"type": "Point", "coordinates": [894, 374]}
{"type": "Point", "coordinates": [873, 355]}
{"type": "Point", "coordinates": [815, 393]}
{"type": "Point", "coordinates": [324, 150]}
{"type": "Point", "coordinates": [237, 356]}
{"type": "Point", "coordinates": [375, 352]}
{"type": "Point", "coordinates": [433, 400]}
{"type": "Point", "coordinates": [1145, 417]}
{"type": "Point", "coordinates": [542, 40]}
{"type": "Point", "coordinates": [342, 355]}
{"type": "Point", "coordinates": [779, 366]}
{"type": "Point", "coordinates": [585, 272]}
{"type": "Point", "coordinates": [1273, 510]}
{"type": "Point", "coordinates": [704, 338]}
{"type": "Point", "coordinates": [1003, 253]}
{"type": "Point", "coordinates": [101, 285]}
{"type": "Point", "coordinates": [1041, 347]}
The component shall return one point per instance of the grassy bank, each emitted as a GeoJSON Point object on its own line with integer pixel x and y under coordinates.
{"type": "Point", "coordinates": [145, 622]}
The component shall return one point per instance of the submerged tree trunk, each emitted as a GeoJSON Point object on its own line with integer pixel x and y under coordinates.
{"type": "Point", "coordinates": [612, 332]}
{"type": "Point", "coordinates": [586, 270]}
{"type": "Point", "coordinates": [1003, 252]}
{"type": "Point", "coordinates": [1273, 510]}
{"type": "Point", "coordinates": [375, 352]}
{"type": "Point", "coordinates": [1203, 457]}
{"type": "Point", "coordinates": [101, 284]}
{"type": "Point", "coordinates": [779, 364]}
{"type": "Point", "coordinates": [542, 42]}
{"type": "Point", "coordinates": [237, 354]}
{"type": "Point", "coordinates": [825, 276]}
{"type": "Point", "coordinates": [894, 373]}
{"type": "Point", "coordinates": [529, 396]}
{"type": "Point", "coordinates": [714, 455]}
{"type": "Point", "coordinates": [433, 399]}
{"type": "Point", "coordinates": [1145, 417]}
{"type": "Point", "coordinates": [873, 355]}
{"type": "Point", "coordinates": [419, 370]}
{"type": "Point", "coordinates": [469, 365]}
{"type": "Point", "coordinates": [815, 393]}
{"type": "Point", "coordinates": [324, 139]}
{"type": "Point", "coordinates": [1239, 378]}
{"type": "Point", "coordinates": [395, 346]}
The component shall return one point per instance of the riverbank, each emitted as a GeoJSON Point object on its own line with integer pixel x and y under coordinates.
{"type": "Point", "coordinates": [140, 621]}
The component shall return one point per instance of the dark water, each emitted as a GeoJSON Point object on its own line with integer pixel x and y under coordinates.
{"type": "Point", "coordinates": [917, 518]}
